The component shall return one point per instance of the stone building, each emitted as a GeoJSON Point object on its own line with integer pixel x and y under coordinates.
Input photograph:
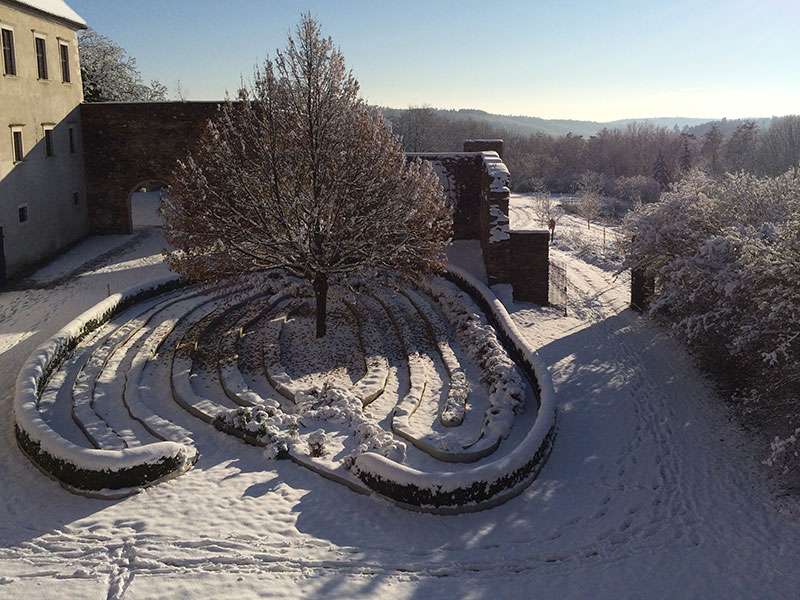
{"type": "Point", "coordinates": [42, 192]}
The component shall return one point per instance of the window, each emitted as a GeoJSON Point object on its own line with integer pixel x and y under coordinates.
{"type": "Point", "coordinates": [19, 150]}
{"type": "Point", "coordinates": [71, 140]}
{"type": "Point", "coordinates": [22, 212]}
{"type": "Point", "coordinates": [9, 57]}
{"type": "Point", "coordinates": [48, 141]}
{"type": "Point", "coordinates": [76, 198]}
{"type": "Point", "coordinates": [41, 56]}
{"type": "Point", "coordinates": [64, 53]}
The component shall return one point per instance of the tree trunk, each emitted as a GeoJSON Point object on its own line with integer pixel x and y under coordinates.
{"type": "Point", "coordinates": [321, 296]}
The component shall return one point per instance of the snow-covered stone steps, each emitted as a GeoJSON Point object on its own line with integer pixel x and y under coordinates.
{"type": "Point", "coordinates": [94, 420]}
{"type": "Point", "coordinates": [274, 369]}
{"type": "Point", "coordinates": [233, 381]}
{"type": "Point", "coordinates": [452, 412]}
{"type": "Point", "coordinates": [373, 383]}
{"type": "Point", "coordinates": [137, 393]}
{"type": "Point", "coordinates": [251, 361]}
{"type": "Point", "coordinates": [416, 417]}
{"type": "Point", "coordinates": [396, 366]}
{"type": "Point", "coordinates": [507, 386]}
{"type": "Point", "coordinates": [88, 470]}
{"type": "Point", "coordinates": [187, 333]}
{"type": "Point", "coordinates": [419, 365]}
{"type": "Point", "coordinates": [416, 414]}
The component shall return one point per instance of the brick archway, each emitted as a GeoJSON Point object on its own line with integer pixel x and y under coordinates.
{"type": "Point", "coordinates": [126, 144]}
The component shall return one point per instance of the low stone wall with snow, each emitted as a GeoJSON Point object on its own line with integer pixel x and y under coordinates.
{"type": "Point", "coordinates": [494, 482]}
{"type": "Point", "coordinates": [88, 470]}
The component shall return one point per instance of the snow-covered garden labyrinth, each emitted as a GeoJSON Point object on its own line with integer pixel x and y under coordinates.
{"type": "Point", "coordinates": [424, 395]}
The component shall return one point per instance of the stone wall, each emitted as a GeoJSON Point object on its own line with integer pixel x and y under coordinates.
{"type": "Point", "coordinates": [461, 177]}
{"type": "Point", "coordinates": [130, 144]}
{"type": "Point", "coordinates": [494, 233]}
{"type": "Point", "coordinates": [530, 265]}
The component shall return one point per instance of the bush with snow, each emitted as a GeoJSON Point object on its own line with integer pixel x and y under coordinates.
{"type": "Point", "coordinates": [263, 425]}
{"type": "Point", "coordinates": [279, 431]}
{"type": "Point", "coordinates": [343, 407]}
{"type": "Point", "coordinates": [726, 258]}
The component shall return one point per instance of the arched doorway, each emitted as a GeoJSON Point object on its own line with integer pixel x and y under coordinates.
{"type": "Point", "coordinates": [145, 204]}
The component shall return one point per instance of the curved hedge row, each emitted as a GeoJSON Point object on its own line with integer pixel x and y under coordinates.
{"type": "Point", "coordinates": [494, 482]}
{"type": "Point", "coordinates": [88, 470]}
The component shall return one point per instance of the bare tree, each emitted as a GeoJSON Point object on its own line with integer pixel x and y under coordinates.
{"type": "Point", "coordinates": [110, 74]}
{"type": "Point", "coordinates": [780, 146]}
{"type": "Point", "coordinates": [547, 209]}
{"type": "Point", "coordinates": [589, 207]}
{"type": "Point", "coordinates": [712, 144]}
{"type": "Point", "coordinates": [301, 174]}
{"type": "Point", "coordinates": [418, 127]}
{"type": "Point", "coordinates": [591, 182]}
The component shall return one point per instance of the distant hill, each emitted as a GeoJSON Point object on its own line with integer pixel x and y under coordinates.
{"type": "Point", "coordinates": [525, 125]}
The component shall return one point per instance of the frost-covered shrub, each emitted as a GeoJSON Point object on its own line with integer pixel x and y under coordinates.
{"type": "Point", "coordinates": [278, 431]}
{"type": "Point", "coordinates": [341, 406]}
{"type": "Point", "coordinates": [726, 258]}
{"type": "Point", "coordinates": [317, 443]}
{"type": "Point", "coordinates": [265, 425]}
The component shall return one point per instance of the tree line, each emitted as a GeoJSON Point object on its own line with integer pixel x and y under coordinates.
{"type": "Point", "coordinates": [640, 159]}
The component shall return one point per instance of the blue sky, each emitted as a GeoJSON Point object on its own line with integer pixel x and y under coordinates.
{"type": "Point", "coordinates": [597, 60]}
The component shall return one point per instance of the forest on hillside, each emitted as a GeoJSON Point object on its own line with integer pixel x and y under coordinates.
{"type": "Point", "coordinates": [642, 156]}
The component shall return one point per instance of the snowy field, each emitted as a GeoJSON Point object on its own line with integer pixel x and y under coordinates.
{"type": "Point", "coordinates": [649, 491]}
{"type": "Point", "coordinates": [595, 243]}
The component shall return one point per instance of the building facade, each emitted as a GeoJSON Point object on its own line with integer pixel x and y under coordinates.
{"type": "Point", "coordinates": [42, 191]}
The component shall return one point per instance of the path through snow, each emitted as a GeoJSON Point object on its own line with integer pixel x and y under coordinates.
{"type": "Point", "coordinates": [649, 491]}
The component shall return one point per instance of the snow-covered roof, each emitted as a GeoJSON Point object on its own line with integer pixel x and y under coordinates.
{"type": "Point", "coordinates": [55, 8]}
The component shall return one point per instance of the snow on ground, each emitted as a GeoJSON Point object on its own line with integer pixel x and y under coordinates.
{"type": "Point", "coordinates": [76, 258]}
{"type": "Point", "coordinates": [649, 491]}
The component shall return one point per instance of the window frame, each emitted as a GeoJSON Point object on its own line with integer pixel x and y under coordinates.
{"type": "Point", "coordinates": [27, 213]}
{"type": "Point", "coordinates": [63, 59]}
{"type": "Point", "coordinates": [17, 158]}
{"type": "Point", "coordinates": [49, 141]}
{"type": "Point", "coordinates": [72, 145]}
{"type": "Point", "coordinates": [42, 70]}
{"type": "Point", "coordinates": [13, 53]}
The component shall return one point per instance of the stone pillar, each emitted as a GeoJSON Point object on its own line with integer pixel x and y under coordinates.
{"type": "Point", "coordinates": [497, 240]}
{"type": "Point", "coordinates": [529, 263]}
{"type": "Point", "coordinates": [643, 288]}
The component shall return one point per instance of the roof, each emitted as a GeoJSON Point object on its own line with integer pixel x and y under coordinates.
{"type": "Point", "coordinates": [55, 8]}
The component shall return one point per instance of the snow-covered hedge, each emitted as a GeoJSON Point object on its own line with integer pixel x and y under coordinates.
{"type": "Point", "coordinates": [726, 257]}
{"type": "Point", "coordinates": [491, 483]}
{"type": "Point", "coordinates": [84, 469]}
